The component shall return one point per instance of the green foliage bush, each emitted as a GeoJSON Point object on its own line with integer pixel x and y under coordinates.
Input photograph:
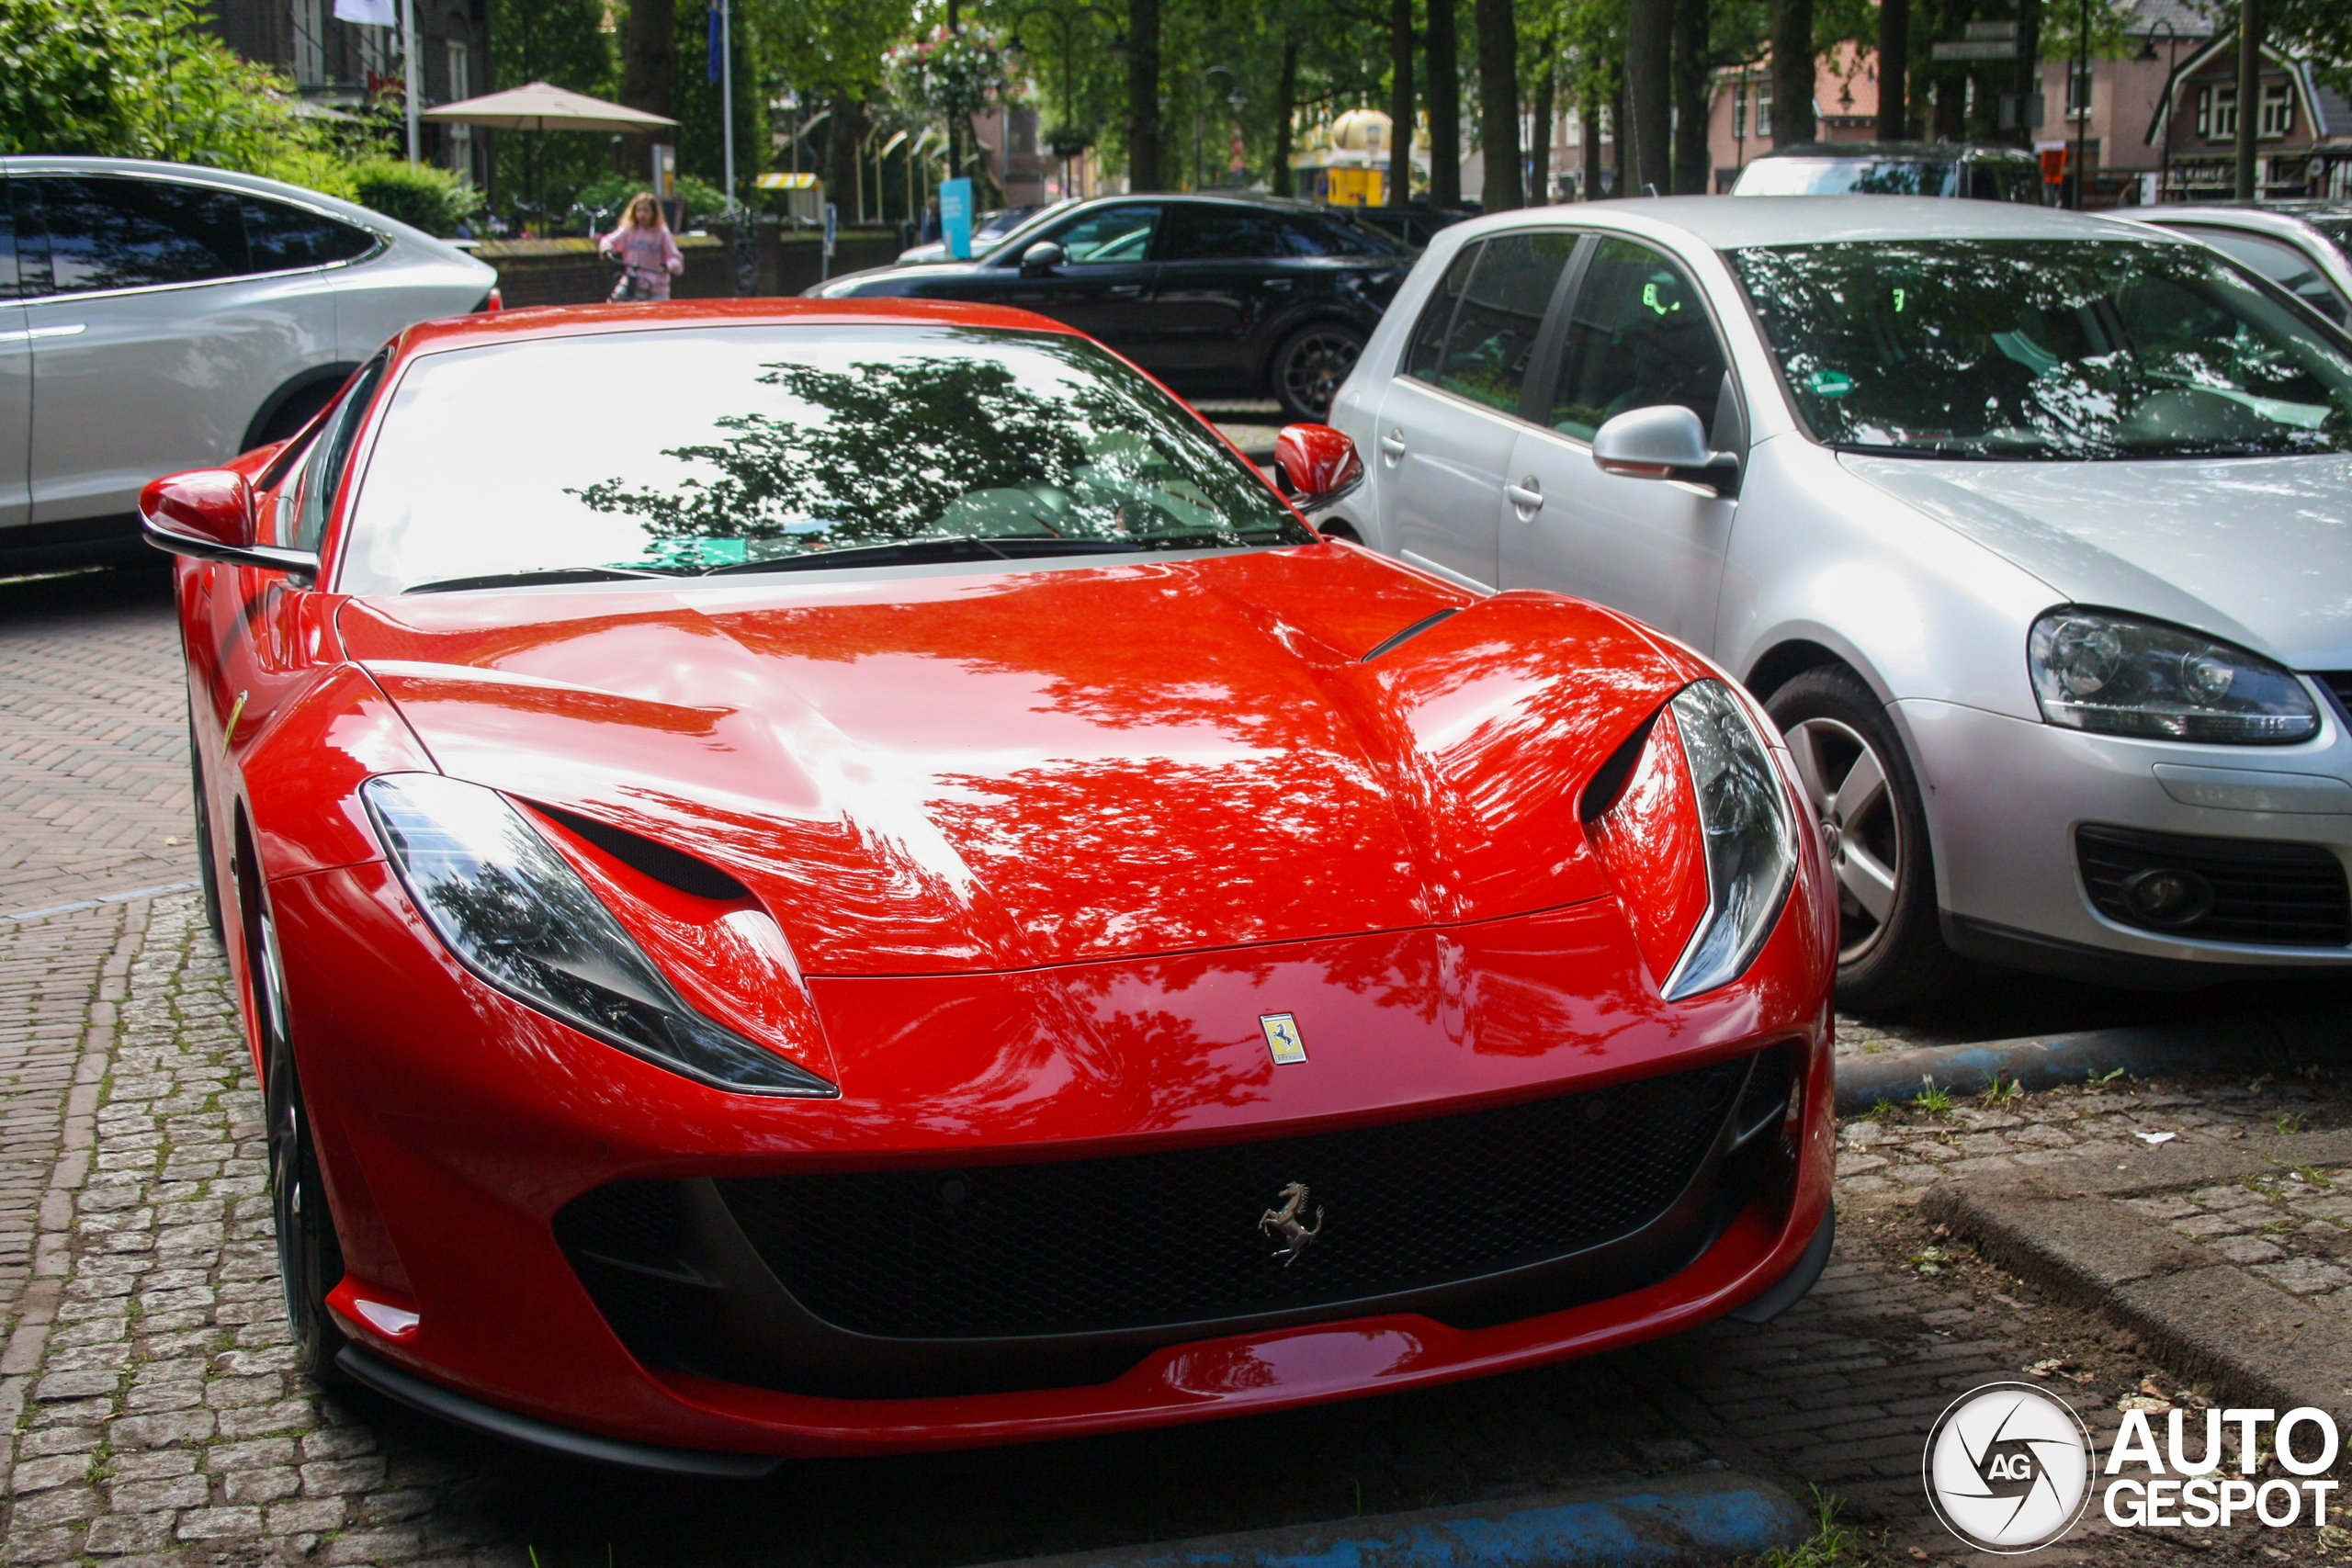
{"type": "Point", "coordinates": [421, 196]}
{"type": "Point", "coordinates": [605, 198]}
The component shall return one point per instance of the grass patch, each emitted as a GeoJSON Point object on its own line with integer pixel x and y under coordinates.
{"type": "Point", "coordinates": [1831, 1545]}
{"type": "Point", "coordinates": [1999, 1091]}
{"type": "Point", "coordinates": [1933, 1097]}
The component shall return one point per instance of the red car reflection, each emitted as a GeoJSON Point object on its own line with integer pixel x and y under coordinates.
{"type": "Point", "coordinates": [892, 894]}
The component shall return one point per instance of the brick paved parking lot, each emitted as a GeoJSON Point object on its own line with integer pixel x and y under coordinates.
{"type": "Point", "coordinates": [149, 1415]}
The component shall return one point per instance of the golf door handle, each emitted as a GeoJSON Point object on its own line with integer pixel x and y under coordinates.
{"type": "Point", "coordinates": [1527, 495]}
{"type": "Point", "coordinates": [1393, 444]}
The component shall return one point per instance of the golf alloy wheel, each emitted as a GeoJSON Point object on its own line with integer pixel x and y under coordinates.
{"type": "Point", "coordinates": [1846, 780]}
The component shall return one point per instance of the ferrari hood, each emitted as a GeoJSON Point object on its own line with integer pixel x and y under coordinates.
{"type": "Point", "coordinates": [2257, 550]}
{"type": "Point", "coordinates": [930, 773]}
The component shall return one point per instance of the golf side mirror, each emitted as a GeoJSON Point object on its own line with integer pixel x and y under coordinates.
{"type": "Point", "coordinates": [1666, 442]}
{"type": "Point", "coordinates": [1318, 464]}
{"type": "Point", "coordinates": [1041, 258]}
{"type": "Point", "coordinates": [209, 514]}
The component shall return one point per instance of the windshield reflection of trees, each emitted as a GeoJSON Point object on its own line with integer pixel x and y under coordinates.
{"type": "Point", "coordinates": [947, 445]}
{"type": "Point", "coordinates": [2032, 349]}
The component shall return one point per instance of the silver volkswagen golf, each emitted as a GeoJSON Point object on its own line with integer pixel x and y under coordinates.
{"type": "Point", "coordinates": [157, 316]}
{"type": "Point", "coordinates": [2033, 530]}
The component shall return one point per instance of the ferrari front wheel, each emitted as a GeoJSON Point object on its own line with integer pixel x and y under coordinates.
{"type": "Point", "coordinates": [1858, 779]}
{"type": "Point", "coordinates": [309, 1257]}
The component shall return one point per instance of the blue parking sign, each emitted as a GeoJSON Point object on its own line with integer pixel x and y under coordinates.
{"type": "Point", "coordinates": [955, 217]}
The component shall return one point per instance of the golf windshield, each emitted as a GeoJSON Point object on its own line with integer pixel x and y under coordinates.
{"type": "Point", "coordinates": [707, 449]}
{"type": "Point", "coordinates": [2046, 348]}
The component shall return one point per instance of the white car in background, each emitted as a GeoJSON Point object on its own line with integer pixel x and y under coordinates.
{"type": "Point", "coordinates": [156, 317]}
{"type": "Point", "coordinates": [2032, 529]}
{"type": "Point", "coordinates": [2304, 247]}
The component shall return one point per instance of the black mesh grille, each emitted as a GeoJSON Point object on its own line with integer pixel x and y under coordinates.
{"type": "Point", "coordinates": [1085, 1246]}
{"type": "Point", "coordinates": [2285, 895]}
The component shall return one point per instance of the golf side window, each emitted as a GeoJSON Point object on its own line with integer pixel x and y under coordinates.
{"type": "Point", "coordinates": [1495, 303]}
{"type": "Point", "coordinates": [1638, 335]}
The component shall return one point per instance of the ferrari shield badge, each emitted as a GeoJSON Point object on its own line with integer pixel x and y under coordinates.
{"type": "Point", "coordinates": [1282, 1038]}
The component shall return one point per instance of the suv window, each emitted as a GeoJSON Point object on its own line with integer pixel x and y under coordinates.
{"type": "Point", "coordinates": [1112, 235]}
{"type": "Point", "coordinates": [1327, 237]}
{"type": "Point", "coordinates": [1428, 349]}
{"type": "Point", "coordinates": [126, 233]}
{"type": "Point", "coordinates": [280, 238]}
{"type": "Point", "coordinates": [1638, 335]}
{"type": "Point", "coordinates": [8, 246]}
{"type": "Point", "coordinates": [1203, 232]}
{"type": "Point", "coordinates": [330, 456]}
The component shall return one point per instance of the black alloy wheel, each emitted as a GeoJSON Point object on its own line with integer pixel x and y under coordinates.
{"type": "Point", "coordinates": [1310, 367]}
{"type": "Point", "coordinates": [309, 1257]}
{"type": "Point", "coordinates": [1858, 782]}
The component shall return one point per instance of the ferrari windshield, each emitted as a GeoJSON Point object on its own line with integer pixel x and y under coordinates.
{"type": "Point", "coordinates": [708, 449]}
{"type": "Point", "coordinates": [2045, 348]}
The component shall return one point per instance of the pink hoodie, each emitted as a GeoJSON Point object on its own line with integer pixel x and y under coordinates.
{"type": "Point", "coordinates": [651, 256]}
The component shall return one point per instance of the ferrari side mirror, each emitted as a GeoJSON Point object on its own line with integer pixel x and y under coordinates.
{"type": "Point", "coordinates": [1042, 258]}
{"type": "Point", "coordinates": [1318, 464]}
{"type": "Point", "coordinates": [1666, 442]}
{"type": "Point", "coordinates": [209, 514]}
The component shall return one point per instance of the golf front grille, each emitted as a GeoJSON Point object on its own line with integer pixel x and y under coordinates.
{"type": "Point", "coordinates": [2251, 890]}
{"type": "Point", "coordinates": [1077, 1247]}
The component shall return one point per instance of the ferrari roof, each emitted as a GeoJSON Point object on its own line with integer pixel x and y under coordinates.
{"type": "Point", "coordinates": [568, 320]}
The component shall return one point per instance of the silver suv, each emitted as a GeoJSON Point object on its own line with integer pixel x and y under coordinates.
{"type": "Point", "coordinates": [157, 316]}
{"type": "Point", "coordinates": [2032, 530]}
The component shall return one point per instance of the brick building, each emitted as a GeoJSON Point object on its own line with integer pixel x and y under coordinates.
{"type": "Point", "coordinates": [2302, 137]}
{"type": "Point", "coordinates": [338, 63]}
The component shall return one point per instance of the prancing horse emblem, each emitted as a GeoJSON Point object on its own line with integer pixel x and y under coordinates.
{"type": "Point", "coordinates": [1284, 1223]}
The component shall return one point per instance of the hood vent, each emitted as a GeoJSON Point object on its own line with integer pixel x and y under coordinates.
{"type": "Point", "coordinates": [1416, 630]}
{"type": "Point", "coordinates": [672, 868]}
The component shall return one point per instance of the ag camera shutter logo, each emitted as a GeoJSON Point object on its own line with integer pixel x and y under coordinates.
{"type": "Point", "coordinates": [2008, 1468]}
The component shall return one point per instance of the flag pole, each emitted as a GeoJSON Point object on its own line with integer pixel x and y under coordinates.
{"type": "Point", "coordinates": [416, 78]}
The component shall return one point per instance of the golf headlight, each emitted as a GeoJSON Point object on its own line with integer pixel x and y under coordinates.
{"type": "Point", "coordinates": [516, 914]}
{"type": "Point", "coordinates": [1750, 836]}
{"type": "Point", "coordinates": [2122, 675]}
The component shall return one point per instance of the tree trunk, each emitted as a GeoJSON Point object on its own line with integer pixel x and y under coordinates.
{"type": "Point", "coordinates": [1144, 172]}
{"type": "Point", "coordinates": [1893, 67]}
{"type": "Point", "coordinates": [2026, 81]}
{"type": "Point", "coordinates": [1285, 107]}
{"type": "Point", "coordinates": [2250, 96]}
{"type": "Point", "coordinates": [1539, 156]}
{"type": "Point", "coordinates": [1793, 73]}
{"type": "Point", "coordinates": [845, 181]}
{"type": "Point", "coordinates": [1693, 72]}
{"type": "Point", "coordinates": [1620, 145]}
{"type": "Point", "coordinates": [1400, 102]}
{"type": "Point", "coordinates": [1444, 54]}
{"type": "Point", "coordinates": [1498, 103]}
{"type": "Point", "coordinates": [1649, 44]}
{"type": "Point", "coordinates": [650, 57]}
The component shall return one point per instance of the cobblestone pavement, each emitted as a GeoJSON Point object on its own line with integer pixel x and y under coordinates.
{"type": "Point", "coordinates": [2289, 1229]}
{"type": "Point", "coordinates": [150, 1417]}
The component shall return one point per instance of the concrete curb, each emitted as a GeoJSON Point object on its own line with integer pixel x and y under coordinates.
{"type": "Point", "coordinates": [1689, 1520]}
{"type": "Point", "coordinates": [2065, 1227]}
{"type": "Point", "coordinates": [2045, 1061]}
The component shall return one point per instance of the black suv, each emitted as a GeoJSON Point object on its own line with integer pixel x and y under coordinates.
{"type": "Point", "coordinates": [1218, 296]}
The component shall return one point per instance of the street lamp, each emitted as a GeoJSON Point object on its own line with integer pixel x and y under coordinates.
{"type": "Point", "coordinates": [1234, 96]}
{"type": "Point", "coordinates": [1065, 18]}
{"type": "Point", "coordinates": [2147, 56]}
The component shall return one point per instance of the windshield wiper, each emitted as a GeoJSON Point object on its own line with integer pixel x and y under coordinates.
{"type": "Point", "coordinates": [913, 552]}
{"type": "Point", "coordinates": [557, 574]}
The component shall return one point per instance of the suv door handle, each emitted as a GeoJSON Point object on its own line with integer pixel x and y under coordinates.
{"type": "Point", "coordinates": [1526, 495]}
{"type": "Point", "coordinates": [1123, 291]}
{"type": "Point", "coordinates": [1393, 444]}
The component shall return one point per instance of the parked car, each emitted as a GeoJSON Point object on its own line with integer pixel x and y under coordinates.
{"type": "Point", "coordinates": [2031, 528]}
{"type": "Point", "coordinates": [710, 903]}
{"type": "Point", "coordinates": [991, 227]}
{"type": "Point", "coordinates": [167, 317]}
{"type": "Point", "coordinates": [1409, 225]}
{"type": "Point", "coordinates": [1225, 296]}
{"type": "Point", "coordinates": [2303, 247]}
{"type": "Point", "coordinates": [1895, 168]}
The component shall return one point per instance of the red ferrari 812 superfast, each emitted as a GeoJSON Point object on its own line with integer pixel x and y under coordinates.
{"type": "Point", "coordinates": [845, 876]}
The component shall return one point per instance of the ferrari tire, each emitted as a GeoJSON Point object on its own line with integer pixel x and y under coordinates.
{"type": "Point", "coordinates": [309, 1255]}
{"type": "Point", "coordinates": [1859, 780]}
{"type": "Point", "coordinates": [1307, 369]}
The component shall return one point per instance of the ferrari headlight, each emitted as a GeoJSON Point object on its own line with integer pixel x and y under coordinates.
{"type": "Point", "coordinates": [517, 915]}
{"type": "Point", "coordinates": [2122, 675]}
{"type": "Point", "coordinates": [1750, 837]}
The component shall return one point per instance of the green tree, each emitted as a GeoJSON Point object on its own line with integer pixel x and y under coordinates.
{"type": "Point", "coordinates": [562, 42]}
